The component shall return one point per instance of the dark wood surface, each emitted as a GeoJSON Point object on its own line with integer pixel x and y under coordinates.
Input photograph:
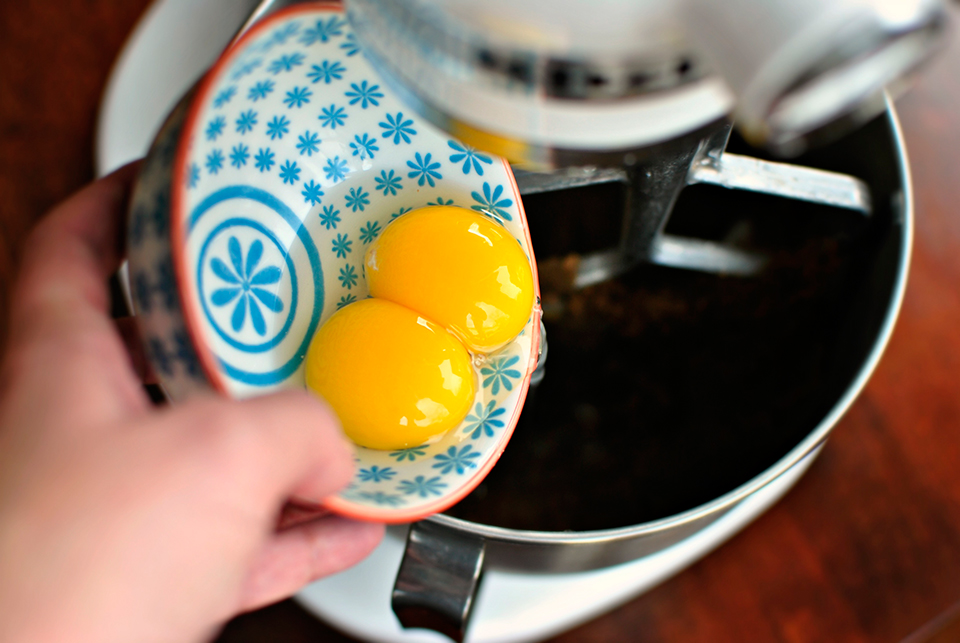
{"type": "Point", "coordinates": [865, 548]}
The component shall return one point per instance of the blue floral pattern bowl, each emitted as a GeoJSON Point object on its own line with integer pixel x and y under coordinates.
{"type": "Point", "coordinates": [248, 229]}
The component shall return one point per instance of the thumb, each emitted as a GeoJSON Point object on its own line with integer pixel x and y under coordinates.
{"type": "Point", "coordinates": [270, 447]}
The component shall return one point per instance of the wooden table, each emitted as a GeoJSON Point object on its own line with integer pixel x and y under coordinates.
{"type": "Point", "coordinates": [867, 546]}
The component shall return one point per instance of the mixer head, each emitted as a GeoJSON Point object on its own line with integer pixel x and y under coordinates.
{"type": "Point", "coordinates": [642, 92]}
{"type": "Point", "coordinates": [550, 83]}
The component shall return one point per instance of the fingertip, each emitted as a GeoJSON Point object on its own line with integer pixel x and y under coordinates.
{"type": "Point", "coordinates": [331, 457]}
{"type": "Point", "coordinates": [328, 481]}
{"type": "Point", "coordinates": [273, 447]}
{"type": "Point", "coordinates": [319, 416]}
{"type": "Point", "coordinates": [311, 402]}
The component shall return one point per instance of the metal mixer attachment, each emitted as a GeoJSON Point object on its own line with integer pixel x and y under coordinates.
{"type": "Point", "coordinates": [654, 183]}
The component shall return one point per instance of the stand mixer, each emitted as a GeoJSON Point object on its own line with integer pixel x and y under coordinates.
{"type": "Point", "coordinates": [638, 97]}
{"type": "Point", "coordinates": [639, 94]}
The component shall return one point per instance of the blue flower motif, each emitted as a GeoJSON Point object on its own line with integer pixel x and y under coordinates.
{"type": "Point", "coordinates": [468, 155]}
{"type": "Point", "coordinates": [346, 300]}
{"type": "Point", "coordinates": [323, 31]}
{"type": "Point", "coordinates": [485, 421]}
{"type": "Point", "coordinates": [349, 45]}
{"type": "Point", "coordinates": [264, 160]}
{"type": "Point", "coordinates": [491, 203]}
{"type": "Point", "coordinates": [278, 127]}
{"type": "Point", "coordinates": [410, 454]}
{"type": "Point", "coordinates": [369, 232]}
{"type": "Point", "coordinates": [193, 175]}
{"type": "Point", "coordinates": [285, 62]}
{"type": "Point", "coordinates": [159, 358]}
{"type": "Point", "coordinates": [348, 277]}
{"type": "Point", "coordinates": [376, 474]}
{"type": "Point", "coordinates": [184, 353]}
{"type": "Point", "coordinates": [398, 128]}
{"type": "Point", "coordinates": [332, 116]}
{"type": "Point", "coordinates": [280, 36]}
{"type": "Point", "coordinates": [364, 147]}
{"type": "Point", "coordinates": [460, 460]}
{"type": "Point", "coordinates": [330, 217]}
{"type": "Point", "coordinates": [239, 155]}
{"type": "Point", "coordinates": [263, 46]}
{"type": "Point", "coordinates": [214, 161]}
{"type": "Point", "coordinates": [389, 183]}
{"type": "Point", "coordinates": [357, 199]}
{"type": "Point", "coordinates": [309, 143]}
{"type": "Point", "coordinates": [181, 351]}
{"type": "Point", "coordinates": [336, 169]}
{"type": "Point", "coordinates": [167, 150]}
{"type": "Point", "coordinates": [166, 285]}
{"type": "Point", "coordinates": [327, 72]}
{"type": "Point", "coordinates": [422, 486]}
{"type": "Point", "coordinates": [423, 168]}
{"type": "Point", "coordinates": [297, 97]}
{"type": "Point", "coordinates": [260, 90]}
{"type": "Point", "coordinates": [246, 121]}
{"type": "Point", "coordinates": [289, 172]}
{"type": "Point", "coordinates": [245, 283]}
{"type": "Point", "coordinates": [139, 217]}
{"type": "Point", "coordinates": [244, 68]}
{"type": "Point", "coordinates": [158, 216]}
{"type": "Point", "coordinates": [341, 245]}
{"type": "Point", "coordinates": [399, 212]}
{"type": "Point", "coordinates": [364, 95]}
{"type": "Point", "coordinates": [382, 498]}
{"type": "Point", "coordinates": [440, 201]}
{"type": "Point", "coordinates": [499, 372]}
{"type": "Point", "coordinates": [312, 192]}
{"type": "Point", "coordinates": [224, 96]}
{"type": "Point", "coordinates": [215, 128]}
{"type": "Point", "coordinates": [142, 290]}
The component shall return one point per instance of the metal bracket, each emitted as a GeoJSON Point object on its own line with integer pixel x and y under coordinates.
{"type": "Point", "coordinates": [739, 172]}
{"type": "Point", "coordinates": [439, 575]}
{"type": "Point", "coordinates": [652, 190]}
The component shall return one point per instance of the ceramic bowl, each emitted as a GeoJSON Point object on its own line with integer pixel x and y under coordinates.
{"type": "Point", "coordinates": [249, 224]}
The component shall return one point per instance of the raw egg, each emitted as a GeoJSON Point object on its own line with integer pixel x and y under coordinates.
{"type": "Point", "coordinates": [394, 378]}
{"type": "Point", "coordinates": [457, 268]}
{"type": "Point", "coordinates": [396, 368]}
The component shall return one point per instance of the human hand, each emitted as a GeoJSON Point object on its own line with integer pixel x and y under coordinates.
{"type": "Point", "coordinates": [123, 522]}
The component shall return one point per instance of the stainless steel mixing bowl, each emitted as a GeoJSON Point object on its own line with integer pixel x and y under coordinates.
{"type": "Point", "coordinates": [446, 556]}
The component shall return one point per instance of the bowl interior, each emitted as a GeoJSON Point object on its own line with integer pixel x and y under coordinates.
{"type": "Point", "coordinates": [294, 158]}
{"type": "Point", "coordinates": [666, 389]}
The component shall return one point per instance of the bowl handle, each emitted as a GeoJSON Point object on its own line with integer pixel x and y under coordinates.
{"type": "Point", "coordinates": [436, 586]}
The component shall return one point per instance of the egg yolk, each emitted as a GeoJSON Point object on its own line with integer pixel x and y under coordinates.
{"type": "Point", "coordinates": [457, 268]}
{"type": "Point", "coordinates": [394, 378]}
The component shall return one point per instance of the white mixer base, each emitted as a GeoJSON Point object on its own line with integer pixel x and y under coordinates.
{"type": "Point", "coordinates": [514, 607]}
